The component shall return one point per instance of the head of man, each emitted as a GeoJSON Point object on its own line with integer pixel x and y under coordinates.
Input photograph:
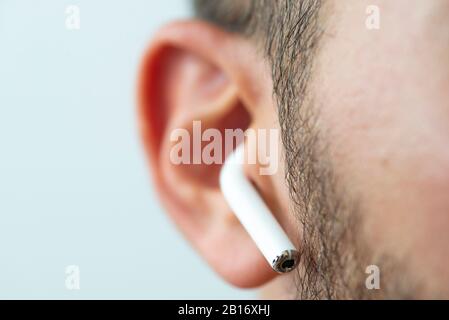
{"type": "Point", "coordinates": [360, 95]}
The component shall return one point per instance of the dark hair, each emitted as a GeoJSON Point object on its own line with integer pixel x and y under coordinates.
{"type": "Point", "coordinates": [288, 31]}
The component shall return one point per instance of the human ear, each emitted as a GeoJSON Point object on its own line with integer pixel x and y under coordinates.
{"type": "Point", "coordinates": [198, 77]}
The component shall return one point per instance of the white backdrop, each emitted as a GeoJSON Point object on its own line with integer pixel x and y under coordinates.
{"type": "Point", "coordinates": [74, 187]}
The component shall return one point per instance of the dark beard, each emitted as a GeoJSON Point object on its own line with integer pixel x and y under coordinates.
{"type": "Point", "coordinates": [331, 260]}
{"type": "Point", "coordinates": [327, 225]}
{"type": "Point", "coordinates": [334, 253]}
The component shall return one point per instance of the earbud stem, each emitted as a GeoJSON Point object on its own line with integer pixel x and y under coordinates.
{"type": "Point", "coordinates": [255, 216]}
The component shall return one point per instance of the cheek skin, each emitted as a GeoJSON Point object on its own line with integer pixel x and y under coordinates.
{"type": "Point", "coordinates": [383, 99]}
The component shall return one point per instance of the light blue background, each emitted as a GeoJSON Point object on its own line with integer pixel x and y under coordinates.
{"type": "Point", "coordinates": [74, 186]}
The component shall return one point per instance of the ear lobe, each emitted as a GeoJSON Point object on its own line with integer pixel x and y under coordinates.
{"type": "Point", "coordinates": [187, 78]}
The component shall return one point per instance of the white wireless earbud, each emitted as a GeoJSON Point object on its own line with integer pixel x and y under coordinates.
{"type": "Point", "coordinates": [254, 215]}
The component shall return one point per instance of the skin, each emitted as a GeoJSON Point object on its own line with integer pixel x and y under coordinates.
{"type": "Point", "coordinates": [382, 100]}
{"type": "Point", "coordinates": [385, 107]}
